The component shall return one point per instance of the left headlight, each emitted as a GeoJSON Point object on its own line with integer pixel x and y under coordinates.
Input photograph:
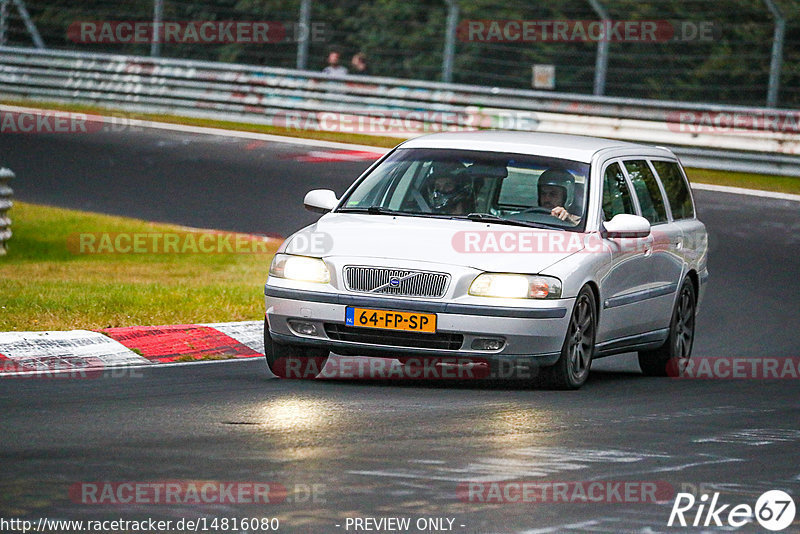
{"type": "Point", "coordinates": [516, 286]}
{"type": "Point", "coordinates": [301, 268]}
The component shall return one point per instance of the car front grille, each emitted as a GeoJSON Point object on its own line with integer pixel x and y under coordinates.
{"type": "Point", "coordinates": [394, 338]}
{"type": "Point", "coordinates": [402, 282]}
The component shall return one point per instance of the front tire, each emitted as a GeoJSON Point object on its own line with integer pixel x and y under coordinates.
{"type": "Point", "coordinates": [670, 358]}
{"type": "Point", "coordinates": [572, 368]}
{"type": "Point", "coordinates": [278, 357]}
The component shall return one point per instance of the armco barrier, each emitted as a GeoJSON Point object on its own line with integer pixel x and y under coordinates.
{"type": "Point", "coordinates": [5, 204]}
{"type": "Point", "coordinates": [706, 135]}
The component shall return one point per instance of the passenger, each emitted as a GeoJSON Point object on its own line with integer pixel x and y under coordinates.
{"type": "Point", "coordinates": [451, 192]}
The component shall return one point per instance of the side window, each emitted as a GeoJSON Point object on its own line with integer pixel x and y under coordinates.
{"type": "Point", "coordinates": [646, 188]}
{"type": "Point", "coordinates": [676, 188]}
{"type": "Point", "coordinates": [519, 188]}
{"type": "Point", "coordinates": [616, 196]}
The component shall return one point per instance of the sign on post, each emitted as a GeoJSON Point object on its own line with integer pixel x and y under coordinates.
{"type": "Point", "coordinates": [544, 77]}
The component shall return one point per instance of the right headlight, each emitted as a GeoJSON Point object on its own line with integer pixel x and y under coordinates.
{"type": "Point", "coordinates": [515, 286]}
{"type": "Point", "coordinates": [301, 268]}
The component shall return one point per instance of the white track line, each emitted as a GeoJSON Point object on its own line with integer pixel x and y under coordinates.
{"type": "Point", "coordinates": [742, 191]}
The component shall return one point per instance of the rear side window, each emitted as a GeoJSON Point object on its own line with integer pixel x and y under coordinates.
{"type": "Point", "coordinates": [616, 195]}
{"type": "Point", "coordinates": [646, 187]}
{"type": "Point", "coordinates": [675, 186]}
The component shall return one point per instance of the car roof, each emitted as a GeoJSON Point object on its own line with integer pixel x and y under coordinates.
{"type": "Point", "coordinates": [572, 147]}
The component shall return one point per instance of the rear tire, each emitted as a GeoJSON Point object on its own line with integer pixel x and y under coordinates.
{"type": "Point", "coordinates": [670, 358]}
{"type": "Point", "coordinates": [274, 352]}
{"type": "Point", "coordinates": [572, 368]}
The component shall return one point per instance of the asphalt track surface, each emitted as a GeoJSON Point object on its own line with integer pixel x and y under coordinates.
{"type": "Point", "coordinates": [399, 449]}
{"type": "Point", "coordinates": [196, 180]}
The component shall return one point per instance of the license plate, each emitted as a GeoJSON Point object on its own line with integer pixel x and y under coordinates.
{"type": "Point", "coordinates": [390, 320]}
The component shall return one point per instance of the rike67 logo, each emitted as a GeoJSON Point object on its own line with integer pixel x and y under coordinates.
{"type": "Point", "coordinates": [774, 510]}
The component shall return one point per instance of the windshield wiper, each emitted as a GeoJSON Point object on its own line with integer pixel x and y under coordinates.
{"type": "Point", "coordinates": [487, 217]}
{"type": "Point", "coordinates": [375, 210]}
{"type": "Point", "coordinates": [380, 210]}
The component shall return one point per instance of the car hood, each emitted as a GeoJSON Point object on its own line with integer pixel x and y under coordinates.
{"type": "Point", "coordinates": [480, 245]}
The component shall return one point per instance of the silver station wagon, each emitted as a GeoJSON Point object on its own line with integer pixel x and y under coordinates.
{"type": "Point", "coordinates": [524, 250]}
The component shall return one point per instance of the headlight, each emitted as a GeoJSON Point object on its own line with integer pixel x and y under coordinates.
{"type": "Point", "coordinates": [300, 268]}
{"type": "Point", "coordinates": [516, 286]}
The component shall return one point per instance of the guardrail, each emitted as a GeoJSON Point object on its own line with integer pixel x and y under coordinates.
{"type": "Point", "coordinates": [704, 135]}
{"type": "Point", "coordinates": [5, 204]}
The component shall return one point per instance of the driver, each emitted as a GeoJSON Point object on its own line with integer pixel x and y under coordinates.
{"type": "Point", "coordinates": [553, 187]}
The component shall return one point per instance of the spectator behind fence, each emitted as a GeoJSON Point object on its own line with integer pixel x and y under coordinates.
{"type": "Point", "coordinates": [360, 65]}
{"type": "Point", "coordinates": [334, 69]}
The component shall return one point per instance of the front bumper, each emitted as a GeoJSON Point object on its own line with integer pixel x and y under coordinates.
{"type": "Point", "coordinates": [532, 334]}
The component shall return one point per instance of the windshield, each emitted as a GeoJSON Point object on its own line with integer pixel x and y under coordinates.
{"type": "Point", "coordinates": [511, 188]}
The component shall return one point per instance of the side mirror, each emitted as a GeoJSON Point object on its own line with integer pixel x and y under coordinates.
{"type": "Point", "coordinates": [626, 225]}
{"type": "Point", "coordinates": [320, 200]}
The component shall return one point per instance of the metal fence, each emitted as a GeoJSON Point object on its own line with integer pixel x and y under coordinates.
{"type": "Point", "coordinates": [721, 137]}
{"type": "Point", "coordinates": [741, 52]}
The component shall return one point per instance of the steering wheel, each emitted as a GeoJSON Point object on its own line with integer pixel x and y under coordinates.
{"type": "Point", "coordinates": [537, 209]}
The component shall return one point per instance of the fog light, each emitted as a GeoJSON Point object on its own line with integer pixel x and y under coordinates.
{"type": "Point", "coordinates": [488, 343]}
{"type": "Point", "coordinates": [303, 328]}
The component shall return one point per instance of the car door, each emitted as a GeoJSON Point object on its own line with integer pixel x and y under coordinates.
{"type": "Point", "coordinates": [628, 275]}
{"type": "Point", "coordinates": [664, 265]}
{"type": "Point", "coordinates": [692, 245]}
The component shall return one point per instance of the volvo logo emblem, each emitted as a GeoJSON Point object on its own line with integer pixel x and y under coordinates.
{"type": "Point", "coordinates": [394, 282]}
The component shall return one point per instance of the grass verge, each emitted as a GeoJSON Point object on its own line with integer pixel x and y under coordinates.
{"type": "Point", "coordinates": [764, 182]}
{"type": "Point", "coordinates": [51, 280]}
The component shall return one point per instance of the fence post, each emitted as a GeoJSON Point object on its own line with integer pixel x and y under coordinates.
{"type": "Point", "coordinates": [601, 61]}
{"type": "Point", "coordinates": [158, 16]}
{"type": "Point", "coordinates": [450, 41]}
{"type": "Point", "coordinates": [776, 59]}
{"type": "Point", "coordinates": [3, 21]}
{"type": "Point", "coordinates": [29, 25]}
{"type": "Point", "coordinates": [5, 205]}
{"type": "Point", "coordinates": [305, 35]}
